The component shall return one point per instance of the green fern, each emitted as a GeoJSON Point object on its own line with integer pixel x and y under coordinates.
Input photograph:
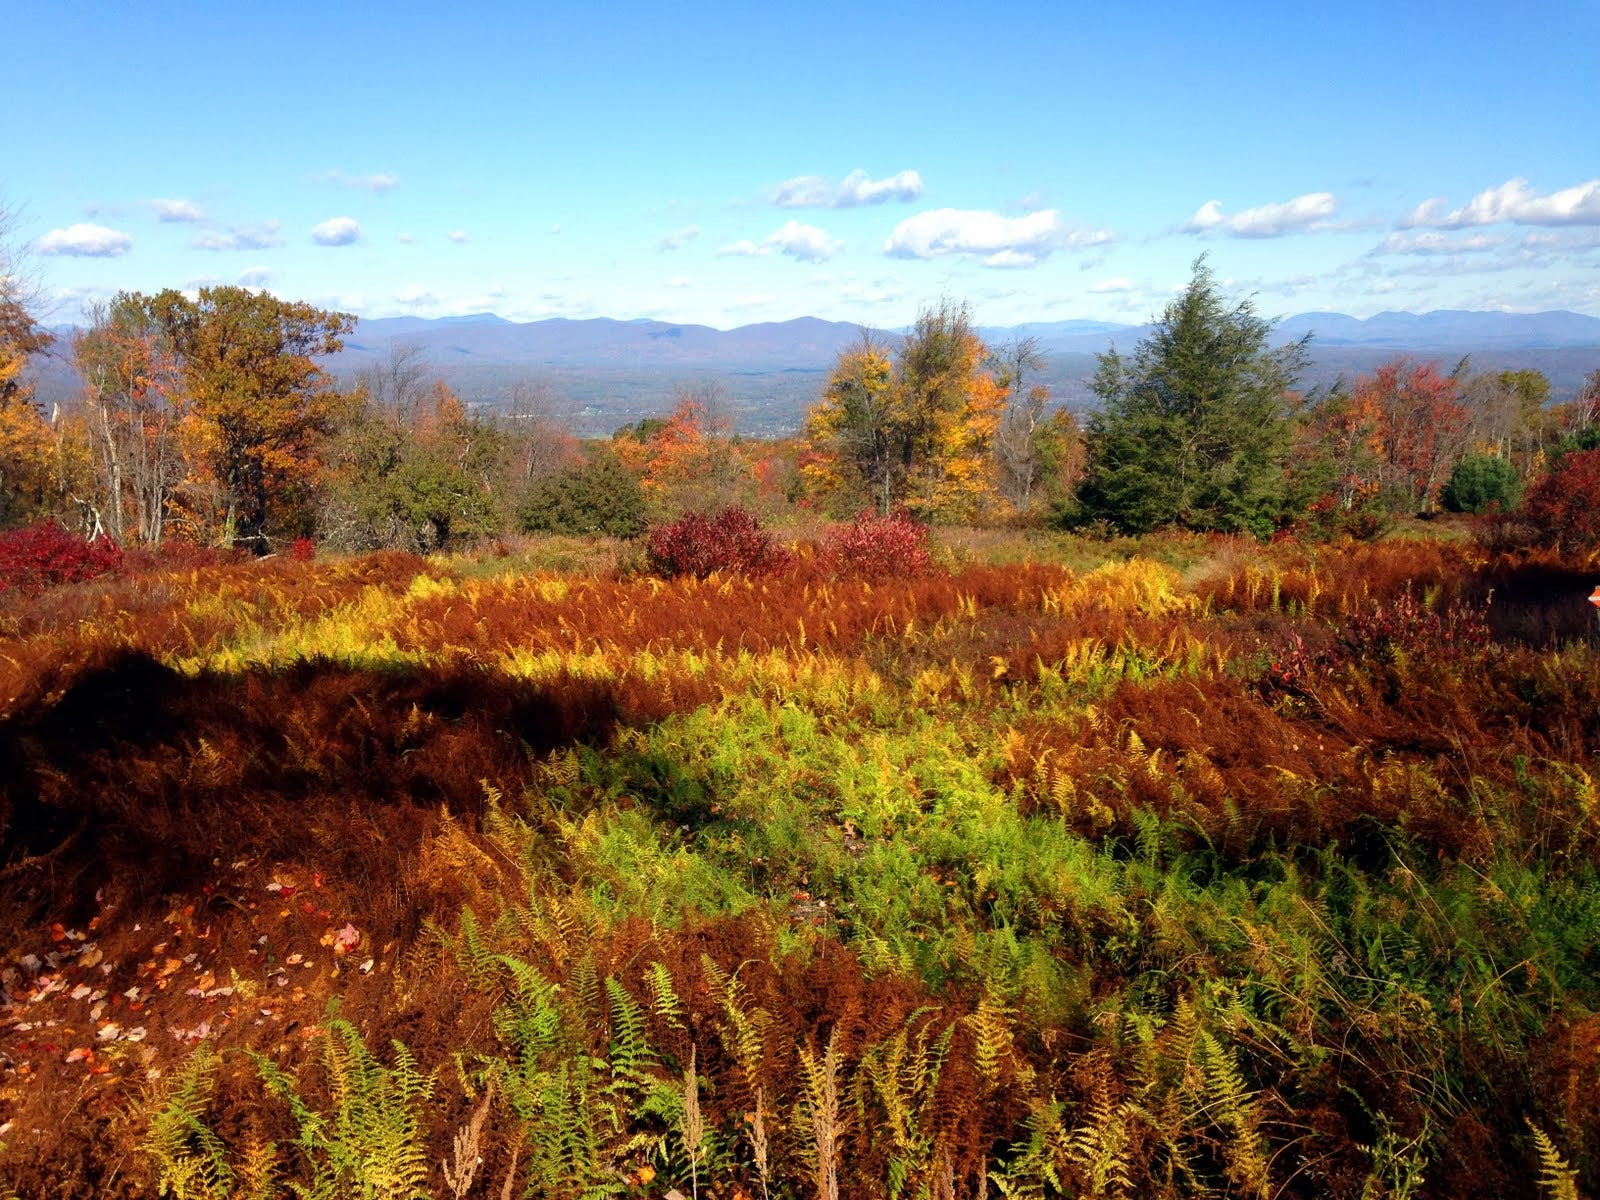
{"type": "Point", "coordinates": [191, 1161]}
{"type": "Point", "coordinates": [371, 1144]}
{"type": "Point", "coordinates": [664, 1000]}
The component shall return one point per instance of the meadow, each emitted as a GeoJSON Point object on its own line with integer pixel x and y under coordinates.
{"type": "Point", "coordinates": [1181, 866]}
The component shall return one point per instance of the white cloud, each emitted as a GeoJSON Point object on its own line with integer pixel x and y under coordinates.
{"type": "Point", "coordinates": [186, 211]}
{"type": "Point", "coordinates": [678, 238]}
{"type": "Point", "coordinates": [1436, 243]}
{"type": "Point", "coordinates": [806, 243]}
{"type": "Point", "coordinates": [1516, 202]}
{"type": "Point", "coordinates": [264, 236]}
{"type": "Point", "coordinates": [85, 240]}
{"type": "Point", "coordinates": [1000, 241]}
{"type": "Point", "coordinates": [380, 182]}
{"type": "Point", "coordinates": [256, 277]}
{"type": "Point", "coordinates": [1012, 260]}
{"type": "Point", "coordinates": [1108, 286]}
{"type": "Point", "coordinates": [680, 281]}
{"type": "Point", "coordinates": [854, 190]}
{"type": "Point", "coordinates": [416, 297]}
{"type": "Point", "coordinates": [337, 231]}
{"type": "Point", "coordinates": [1303, 214]}
{"type": "Point", "coordinates": [458, 236]}
{"type": "Point", "coordinates": [405, 239]}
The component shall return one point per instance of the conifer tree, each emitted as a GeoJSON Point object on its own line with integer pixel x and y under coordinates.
{"type": "Point", "coordinates": [1196, 425]}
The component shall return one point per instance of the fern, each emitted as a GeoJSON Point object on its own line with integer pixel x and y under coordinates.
{"type": "Point", "coordinates": [1556, 1176]}
{"type": "Point", "coordinates": [191, 1160]}
{"type": "Point", "coordinates": [371, 1143]}
{"type": "Point", "coordinates": [1099, 1147]}
{"type": "Point", "coordinates": [1230, 1106]}
{"type": "Point", "coordinates": [664, 1000]}
{"type": "Point", "coordinates": [822, 1115]}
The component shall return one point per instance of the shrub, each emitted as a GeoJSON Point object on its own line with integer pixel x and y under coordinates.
{"type": "Point", "coordinates": [1563, 507]}
{"type": "Point", "coordinates": [874, 547]}
{"type": "Point", "coordinates": [599, 498]}
{"type": "Point", "coordinates": [45, 555]}
{"type": "Point", "coordinates": [175, 554]}
{"type": "Point", "coordinates": [698, 544]}
{"type": "Point", "coordinates": [1480, 481]}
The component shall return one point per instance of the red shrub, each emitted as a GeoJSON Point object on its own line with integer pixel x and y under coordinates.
{"type": "Point", "coordinates": [698, 544]}
{"type": "Point", "coordinates": [874, 547]}
{"type": "Point", "coordinates": [302, 550]}
{"type": "Point", "coordinates": [45, 555]}
{"type": "Point", "coordinates": [1564, 506]}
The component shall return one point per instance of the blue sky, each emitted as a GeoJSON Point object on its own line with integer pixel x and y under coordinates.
{"type": "Point", "coordinates": [728, 163]}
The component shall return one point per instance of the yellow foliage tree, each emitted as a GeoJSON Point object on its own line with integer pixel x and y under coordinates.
{"type": "Point", "coordinates": [916, 431]}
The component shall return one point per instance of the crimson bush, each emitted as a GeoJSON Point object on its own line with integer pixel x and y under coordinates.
{"type": "Point", "coordinates": [874, 547]}
{"type": "Point", "coordinates": [698, 543]}
{"type": "Point", "coordinates": [45, 554]}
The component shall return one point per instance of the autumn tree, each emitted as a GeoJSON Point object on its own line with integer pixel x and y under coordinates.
{"type": "Point", "coordinates": [414, 470]}
{"type": "Point", "coordinates": [854, 435]}
{"type": "Point", "coordinates": [1420, 429]}
{"type": "Point", "coordinates": [916, 430]}
{"type": "Point", "coordinates": [132, 405]}
{"type": "Point", "coordinates": [257, 406]}
{"type": "Point", "coordinates": [42, 459]}
{"type": "Point", "coordinates": [1196, 426]}
{"type": "Point", "coordinates": [690, 459]}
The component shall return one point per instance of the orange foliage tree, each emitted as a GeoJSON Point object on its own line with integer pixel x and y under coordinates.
{"type": "Point", "coordinates": [689, 459]}
{"type": "Point", "coordinates": [257, 407]}
{"type": "Point", "coordinates": [41, 460]}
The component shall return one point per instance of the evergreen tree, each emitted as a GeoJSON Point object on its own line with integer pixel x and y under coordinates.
{"type": "Point", "coordinates": [1196, 426]}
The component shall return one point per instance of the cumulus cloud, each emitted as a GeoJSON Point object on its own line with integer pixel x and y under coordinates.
{"type": "Point", "coordinates": [380, 182]}
{"type": "Point", "coordinates": [85, 240]}
{"type": "Point", "coordinates": [1108, 286]}
{"type": "Point", "coordinates": [854, 190]}
{"type": "Point", "coordinates": [805, 243]}
{"type": "Point", "coordinates": [1515, 202]}
{"type": "Point", "coordinates": [678, 238]}
{"type": "Point", "coordinates": [337, 231]}
{"type": "Point", "coordinates": [1005, 242]}
{"type": "Point", "coordinates": [458, 236]}
{"type": "Point", "coordinates": [405, 239]}
{"type": "Point", "coordinates": [256, 277]}
{"type": "Point", "coordinates": [186, 211]}
{"type": "Point", "coordinates": [1304, 214]}
{"type": "Point", "coordinates": [264, 236]}
{"type": "Point", "coordinates": [1436, 243]}
{"type": "Point", "coordinates": [680, 281]}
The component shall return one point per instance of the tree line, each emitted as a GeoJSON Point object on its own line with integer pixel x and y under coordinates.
{"type": "Point", "coordinates": [209, 419]}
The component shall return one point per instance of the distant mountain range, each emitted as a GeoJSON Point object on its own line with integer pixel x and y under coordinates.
{"type": "Point", "coordinates": [809, 342]}
{"type": "Point", "coordinates": [607, 372]}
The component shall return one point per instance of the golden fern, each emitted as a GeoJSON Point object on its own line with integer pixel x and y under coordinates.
{"type": "Point", "coordinates": [1556, 1175]}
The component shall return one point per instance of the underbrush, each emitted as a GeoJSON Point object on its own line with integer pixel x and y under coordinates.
{"type": "Point", "coordinates": [1226, 871]}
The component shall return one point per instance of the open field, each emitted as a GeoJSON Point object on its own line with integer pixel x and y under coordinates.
{"type": "Point", "coordinates": [1173, 868]}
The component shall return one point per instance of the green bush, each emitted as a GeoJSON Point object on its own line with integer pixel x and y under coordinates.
{"type": "Point", "coordinates": [599, 498]}
{"type": "Point", "coordinates": [1480, 481]}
